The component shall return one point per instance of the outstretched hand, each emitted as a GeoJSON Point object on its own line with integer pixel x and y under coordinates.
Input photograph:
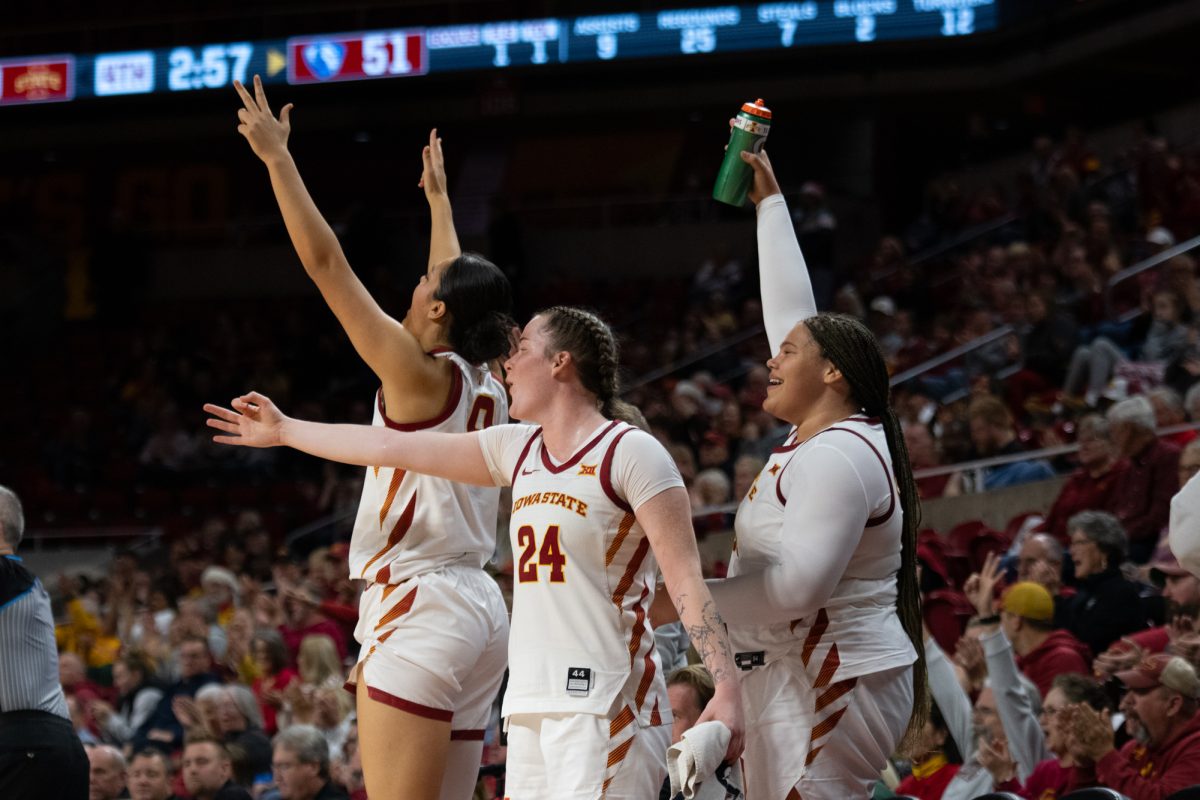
{"type": "Point", "coordinates": [254, 421]}
{"type": "Point", "coordinates": [267, 136]}
{"type": "Point", "coordinates": [433, 175]}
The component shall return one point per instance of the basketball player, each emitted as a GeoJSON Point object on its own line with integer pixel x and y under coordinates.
{"type": "Point", "coordinates": [432, 623]}
{"type": "Point", "coordinates": [596, 503]}
{"type": "Point", "coordinates": [821, 599]}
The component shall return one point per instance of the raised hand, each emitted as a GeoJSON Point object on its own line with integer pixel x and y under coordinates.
{"type": "Point", "coordinates": [995, 759]}
{"type": "Point", "coordinates": [1089, 732]}
{"type": "Point", "coordinates": [980, 588]}
{"type": "Point", "coordinates": [267, 136]}
{"type": "Point", "coordinates": [433, 175]}
{"type": "Point", "coordinates": [254, 421]}
{"type": "Point", "coordinates": [764, 184]}
{"type": "Point", "coordinates": [970, 656]}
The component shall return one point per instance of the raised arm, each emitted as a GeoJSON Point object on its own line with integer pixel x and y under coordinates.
{"type": "Point", "coordinates": [255, 421]}
{"type": "Point", "coordinates": [667, 520]}
{"type": "Point", "coordinates": [787, 294]}
{"type": "Point", "coordinates": [408, 374]}
{"type": "Point", "coordinates": [825, 515]}
{"type": "Point", "coordinates": [1026, 741]}
{"type": "Point", "coordinates": [443, 238]}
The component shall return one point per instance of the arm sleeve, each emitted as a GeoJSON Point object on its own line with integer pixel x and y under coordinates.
{"type": "Point", "coordinates": [787, 294]}
{"type": "Point", "coordinates": [1026, 743]}
{"type": "Point", "coordinates": [502, 446]}
{"type": "Point", "coordinates": [827, 509]}
{"type": "Point", "coordinates": [951, 700]}
{"type": "Point", "coordinates": [1184, 531]}
{"type": "Point", "coordinates": [642, 468]}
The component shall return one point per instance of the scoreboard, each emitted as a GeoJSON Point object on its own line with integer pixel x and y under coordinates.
{"type": "Point", "coordinates": [414, 51]}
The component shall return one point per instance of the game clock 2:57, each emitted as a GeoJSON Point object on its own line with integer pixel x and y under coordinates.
{"type": "Point", "coordinates": [211, 67]}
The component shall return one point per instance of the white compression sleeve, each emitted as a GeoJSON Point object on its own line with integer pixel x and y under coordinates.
{"type": "Point", "coordinates": [787, 294]}
{"type": "Point", "coordinates": [827, 501]}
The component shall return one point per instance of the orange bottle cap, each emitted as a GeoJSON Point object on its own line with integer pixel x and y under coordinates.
{"type": "Point", "coordinates": [757, 109]}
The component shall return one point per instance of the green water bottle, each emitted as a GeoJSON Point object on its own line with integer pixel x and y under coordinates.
{"type": "Point", "coordinates": [750, 129]}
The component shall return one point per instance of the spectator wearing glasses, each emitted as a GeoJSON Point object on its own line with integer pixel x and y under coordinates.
{"type": "Point", "coordinates": [300, 762]}
{"type": "Point", "coordinates": [1162, 699]}
{"type": "Point", "coordinates": [1107, 606]}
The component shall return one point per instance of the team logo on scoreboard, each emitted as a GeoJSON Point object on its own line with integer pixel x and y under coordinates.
{"type": "Point", "coordinates": [356, 56]}
{"type": "Point", "coordinates": [324, 59]}
{"type": "Point", "coordinates": [43, 80]}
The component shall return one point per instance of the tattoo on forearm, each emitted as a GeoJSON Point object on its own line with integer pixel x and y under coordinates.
{"type": "Point", "coordinates": [708, 636]}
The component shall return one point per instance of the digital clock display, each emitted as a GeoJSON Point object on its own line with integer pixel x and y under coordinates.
{"type": "Point", "coordinates": [210, 67]}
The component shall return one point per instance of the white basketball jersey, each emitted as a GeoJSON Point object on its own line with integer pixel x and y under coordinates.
{"type": "Point", "coordinates": [583, 580]}
{"type": "Point", "coordinates": [407, 523]}
{"type": "Point", "coordinates": [857, 631]}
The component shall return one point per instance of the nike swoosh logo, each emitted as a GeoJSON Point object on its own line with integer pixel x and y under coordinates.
{"type": "Point", "coordinates": [528, 471]}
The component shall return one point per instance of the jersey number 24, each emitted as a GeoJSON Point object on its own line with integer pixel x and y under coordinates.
{"type": "Point", "coordinates": [549, 555]}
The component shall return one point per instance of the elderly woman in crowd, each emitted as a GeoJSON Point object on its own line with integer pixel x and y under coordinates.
{"type": "Point", "coordinates": [1107, 606]}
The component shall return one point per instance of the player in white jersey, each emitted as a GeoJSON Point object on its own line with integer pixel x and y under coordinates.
{"type": "Point", "coordinates": [822, 599]}
{"type": "Point", "coordinates": [432, 623]}
{"type": "Point", "coordinates": [596, 504]}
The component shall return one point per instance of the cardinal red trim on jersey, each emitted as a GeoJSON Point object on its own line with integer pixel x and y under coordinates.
{"type": "Point", "coordinates": [635, 564]}
{"type": "Point", "coordinates": [468, 735]}
{"type": "Point", "coordinates": [873, 521]}
{"type": "Point", "coordinates": [428, 712]}
{"type": "Point", "coordinates": [524, 453]}
{"type": "Point", "coordinates": [618, 540]}
{"type": "Point", "coordinates": [779, 477]}
{"type": "Point", "coordinates": [393, 487]}
{"type": "Point", "coordinates": [399, 530]}
{"type": "Point", "coordinates": [639, 626]}
{"type": "Point", "coordinates": [814, 635]}
{"type": "Point", "coordinates": [579, 454]}
{"type": "Point", "coordinates": [452, 399]}
{"type": "Point", "coordinates": [606, 473]}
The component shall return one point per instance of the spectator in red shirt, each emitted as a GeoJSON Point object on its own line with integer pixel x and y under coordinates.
{"type": "Point", "coordinates": [1164, 756]}
{"type": "Point", "coordinates": [271, 658]}
{"type": "Point", "coordinates": [935, 761]}
{"type": "Point", "coordinates": [1058, 776]}
{"type": "Point", "coordinates": [303, 618]}
{"type": "Point", "coordinates": [1027, 617]}
{"type": "Point", "coordinates": [1091, 487]}
{"type": "Point", "coordinates": [1143, 493]}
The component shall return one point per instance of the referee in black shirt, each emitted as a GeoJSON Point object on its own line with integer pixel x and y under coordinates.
{"type": "Point", "coordinates": [40, 754]}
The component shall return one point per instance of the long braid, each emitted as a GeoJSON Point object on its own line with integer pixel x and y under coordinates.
{"type": "Point", "coordinates": [853, 349]}
{"type": "Point", "coordinates": [597, 357]}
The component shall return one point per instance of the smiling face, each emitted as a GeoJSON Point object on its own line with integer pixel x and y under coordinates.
{"type": "Point", "coordinates": [798, 376]}
{"type": "Point", "coordinates": [529, 371]}
{"type": "Point", "coordinates": [425, 306]}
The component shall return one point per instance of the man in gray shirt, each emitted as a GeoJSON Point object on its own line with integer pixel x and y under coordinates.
{"type": "Point", "coordinates": [40, 754]}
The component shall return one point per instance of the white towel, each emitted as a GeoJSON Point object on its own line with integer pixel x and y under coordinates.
{"type": "Point", "coordinates": [693, 761]}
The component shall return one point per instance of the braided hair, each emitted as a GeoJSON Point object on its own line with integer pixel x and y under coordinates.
{"type": "Point", "coordinates": [853, 349]}
{"type": "Point", "coordinates": [478, 298]}
{"type": "Point", "coordinates": [597, 357]}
